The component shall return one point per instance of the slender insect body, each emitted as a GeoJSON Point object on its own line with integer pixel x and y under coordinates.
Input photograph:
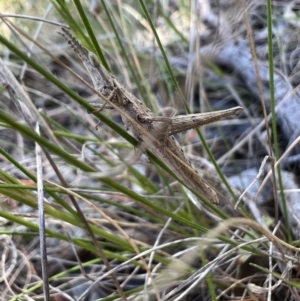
{"type": "Point", "coordinates": [182, 167]}
{"type": "Point", "coordinates": [156, 132]}
{"type": "Point", "coordinates": [175, 157]}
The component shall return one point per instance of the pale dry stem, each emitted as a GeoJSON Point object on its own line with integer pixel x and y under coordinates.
{"type": "Point", "coordinates": [226, 224]}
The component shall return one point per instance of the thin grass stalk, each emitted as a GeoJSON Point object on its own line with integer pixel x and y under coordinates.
{"type": "Point", "coordinates": [123, 50]}
{"type": "Point", "coordinates": [91, 34]}
{"type": "Point", "coordinates": [273, 112]}
{"type": "Point", "coordinates": [149, 100]}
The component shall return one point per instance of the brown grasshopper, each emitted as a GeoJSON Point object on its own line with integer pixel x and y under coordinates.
{"type": "Point", "coordinates": [156, 132]}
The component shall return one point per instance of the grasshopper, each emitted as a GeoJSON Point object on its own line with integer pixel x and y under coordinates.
{"type": "Point", "coordinates": [156, 132]}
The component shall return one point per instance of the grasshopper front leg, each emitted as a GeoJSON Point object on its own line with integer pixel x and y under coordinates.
{"type": "Point", "coordinates": [104, 106]}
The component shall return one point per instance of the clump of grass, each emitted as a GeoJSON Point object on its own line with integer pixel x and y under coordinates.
{"type": "Point", "coordinates": [115, 225]}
